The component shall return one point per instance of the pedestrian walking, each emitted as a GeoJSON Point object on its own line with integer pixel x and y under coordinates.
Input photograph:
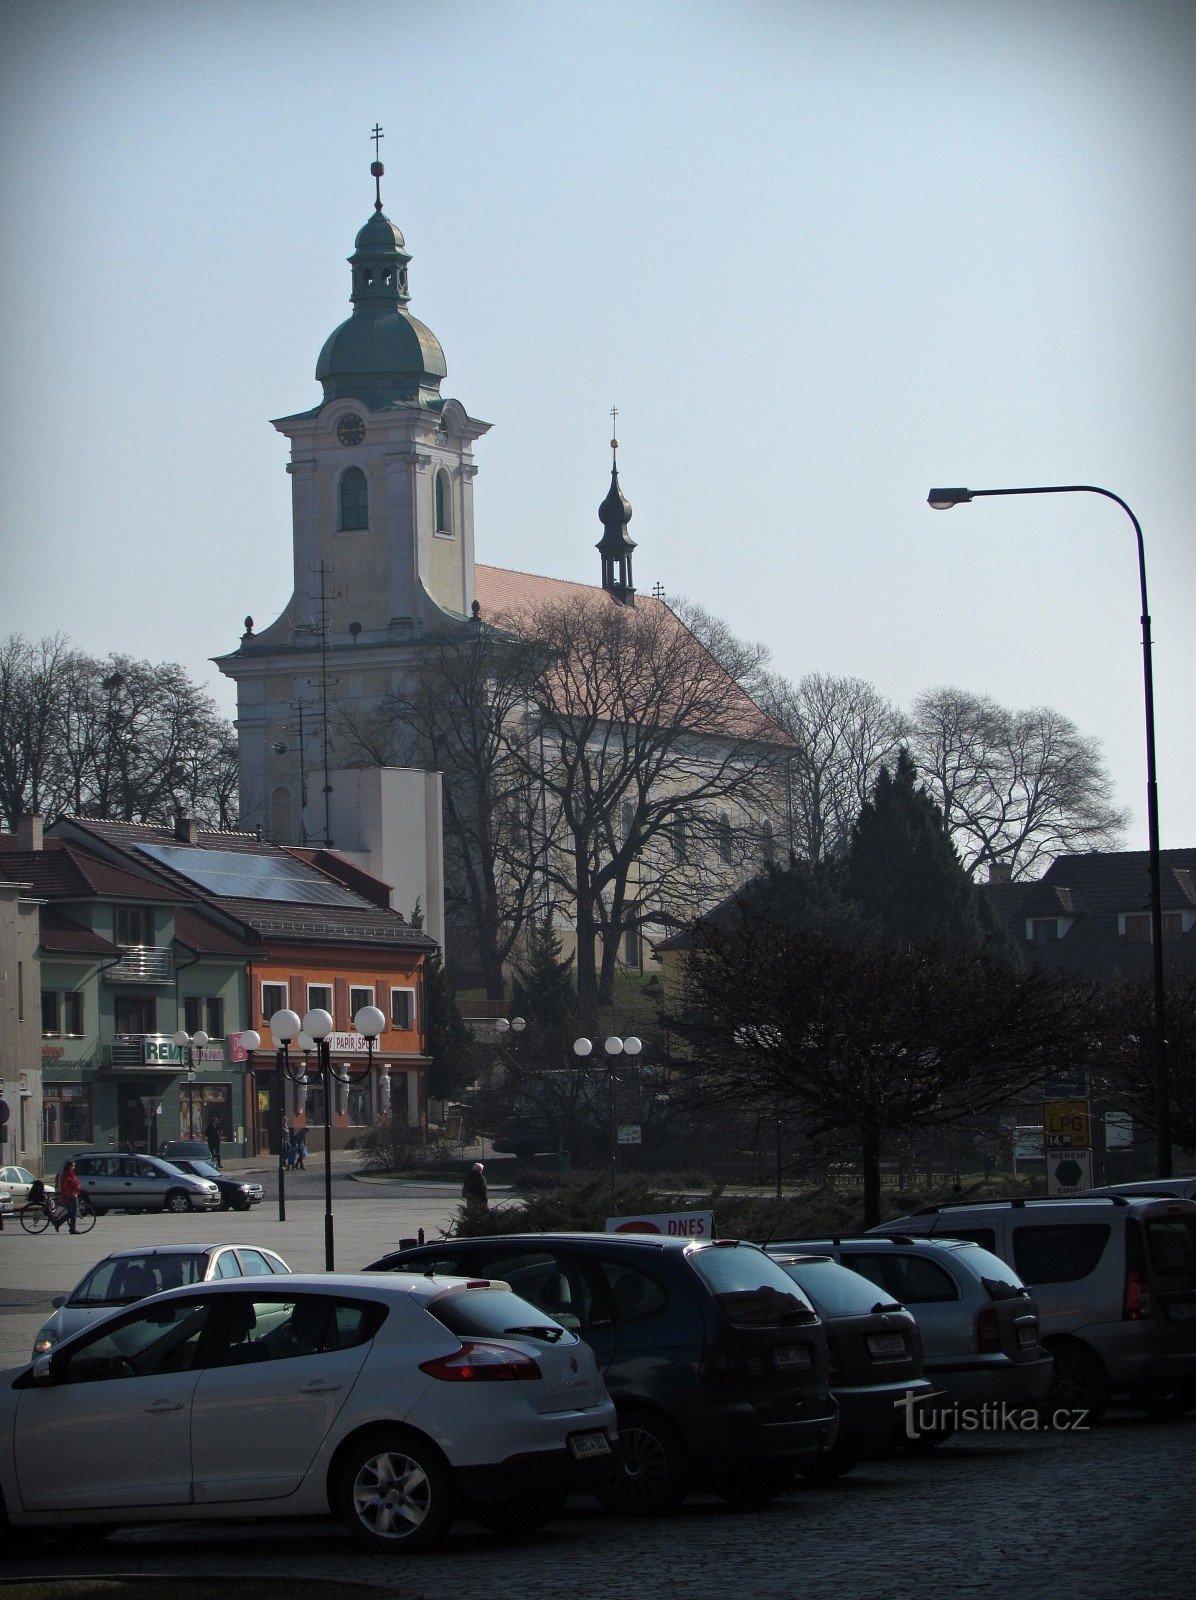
{"type": "Point", "coordinates": [300, 1147]}
{"type": "Point", "coordinates": [68, 1187]}
{"type": "Point", "coordinates": [473, 1190]}
{"type": "Point", "coordinates": [214, 1141]}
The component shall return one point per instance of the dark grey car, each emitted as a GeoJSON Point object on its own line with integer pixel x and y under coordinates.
{"type": "Point", "coordinates": [142, 1183]}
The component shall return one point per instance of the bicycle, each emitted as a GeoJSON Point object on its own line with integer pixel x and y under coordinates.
{"type": "Point", "coordinates": [37, 1215]}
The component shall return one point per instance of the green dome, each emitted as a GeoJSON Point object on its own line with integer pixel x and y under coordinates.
{"type": "Point", "coordinates": [382, 355]}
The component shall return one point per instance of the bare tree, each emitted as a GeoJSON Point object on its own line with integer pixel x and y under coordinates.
{"type": "Point", "coordinates": [463, 711]}
{"type": "Point", "coordinates": [654, 764]}
{"type": "Point", "coordinates": [871, 1040]}
{"type": "Point", "coordinates": [843, 732]}
{"type": "Point", "coordinates": [1015, 787]}
{"type": "Point", "coordinates": [117, 738]}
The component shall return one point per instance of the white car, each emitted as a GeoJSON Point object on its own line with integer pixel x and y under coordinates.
{"type": "Point", "coordinates": [393, 1402]}
{"type": "Point", "coordinates": [127, 1276]}
{"type": "Point", "coordinates": [18, 1181]}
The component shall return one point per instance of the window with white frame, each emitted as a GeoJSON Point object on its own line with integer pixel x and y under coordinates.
{"type": "Point", "coordinates": [402, 1008]}
{"type": "Point", "coordinates": [319, 998]}
{"type": "Point", "coordinates": [444, 504]}
{"type": "Point", "coordinates": [275, 997]}
{"type": "Point", "coordinates": [359, 995]}
{"type": "Point", "coordinates": [355, 504]}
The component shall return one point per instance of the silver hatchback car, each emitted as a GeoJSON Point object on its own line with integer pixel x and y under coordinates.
{"type": "Point", "coordinates": [142, 1183]}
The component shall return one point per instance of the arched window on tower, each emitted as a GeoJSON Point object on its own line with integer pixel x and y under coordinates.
{"type": "Point", "coordinates": [444, 504]}
{"type": "Point", "coordinates": [726, 839]}
{"type": "Point", "coordinates": [768, 842]}
{"type": "Point", "coordinates": [355, 500]}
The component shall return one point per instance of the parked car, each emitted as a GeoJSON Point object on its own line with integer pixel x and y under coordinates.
{"type": "Point", "coordinates": [1115, 1281]}
{"type": "Point", "coordinates": [523, 1136]}
{"type": "Point", "coordinates": [394, 1402]}
{"type": "Point", "coordinates": [978, 1322]}
{"type": "Point", "coordinates": [192, 1149]}
{"type": "Point", "coordinates": [874, 1353]}
{"type": "Point", "coordinates": [18, 1181]}
{"type": "Point", "coordinates": [1183, 1188]}
{"type": "Point", "coordinates": [6, 1203]}
{"type": "Point", "coordinates": [236, 1194]}
{"type": "Point", "coordinates": [142, 1183]}
{"type": "Point", "coordinates": [714, 1357]}
{"type": "Point", "coordinates": [127, 1276]}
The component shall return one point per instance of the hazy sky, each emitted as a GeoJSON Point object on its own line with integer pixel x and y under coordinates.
{"type": "Point", "coordinates": [821, 255]}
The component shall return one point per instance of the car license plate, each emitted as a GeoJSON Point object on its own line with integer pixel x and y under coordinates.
{"type": "Point", "coordinates": [1182, 1313]}
{"type": "Point", "coordinates": [584, 1445]}
{"type": "Point", "coordinates": [791, 1355]}
{"type": "Point", "coordinates": [886, 1344]}
{"type": "Point", "coordinates": [1027, 1338]}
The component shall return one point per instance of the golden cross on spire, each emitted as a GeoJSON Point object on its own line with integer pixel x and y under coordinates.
{"type": "Point", "coordinates": [614, 443]}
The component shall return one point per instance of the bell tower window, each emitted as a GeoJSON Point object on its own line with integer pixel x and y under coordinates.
{"type": "Point", "coordinates": [354, 498]}
{"type": "Point", "coordinates": [444, 504]}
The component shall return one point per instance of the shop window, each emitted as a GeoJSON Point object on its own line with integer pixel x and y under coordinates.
{"type": "Point", "coordinates": [360, 1108]}
{"type": "Point", "coordinates": [66, 1113]}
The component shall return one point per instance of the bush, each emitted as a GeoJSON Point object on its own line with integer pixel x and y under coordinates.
{"type": "Point", "coordinates": [391, 1147]}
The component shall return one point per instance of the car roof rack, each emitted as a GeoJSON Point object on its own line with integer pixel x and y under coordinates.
{"type": "Point", "coordinates": [1017, 1202]}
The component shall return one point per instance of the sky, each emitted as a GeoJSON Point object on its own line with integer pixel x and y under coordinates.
{"type": "Point", "coordinates": [822, 255]}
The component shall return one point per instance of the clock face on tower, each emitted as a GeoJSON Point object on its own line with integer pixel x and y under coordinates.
{"type": "Point", "coordinates": [350, 429]}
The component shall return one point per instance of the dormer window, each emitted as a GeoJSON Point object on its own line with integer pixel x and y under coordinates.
{"type": "Point", "coordinates": [1135, 926]}
{"type": "Point", "coordinates": [1043, 930]}
{"type": "Point", "coordinates": [354, 501]}
{"type": "Point", "coordinates": [444, 504]}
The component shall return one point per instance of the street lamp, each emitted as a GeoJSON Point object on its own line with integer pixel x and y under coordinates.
{"type": "Point", "coordinates": [285, 1028]}
{"type": "Point", "coordinates": [943, 500]}
{"type": "Point", "coordinates": [317, 1025]}
{"type": "Point", "coordinates": [614, 1048]}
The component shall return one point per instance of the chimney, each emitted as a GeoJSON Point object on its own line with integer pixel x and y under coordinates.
{"type": "Point", "coordinates": [29, 832]}
{"type": "Point", "coordinates": [999, 872]}
{"type": "Point", "coordinates": [186, 830]}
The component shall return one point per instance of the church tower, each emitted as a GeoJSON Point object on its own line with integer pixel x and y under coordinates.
{"type": "Point", "coordinates": [382, 477]}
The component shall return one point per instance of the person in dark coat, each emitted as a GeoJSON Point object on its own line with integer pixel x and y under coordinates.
{"type": "Point", "coordinates": [473, 1190]}
{"type": "Point", "coordinates": [214, 1141]}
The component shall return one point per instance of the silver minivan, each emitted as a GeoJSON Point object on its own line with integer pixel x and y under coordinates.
{"type": "Point", "coordinates": [1114, 1276]}
{"type": "Point", "coordinates": [142, 1183]}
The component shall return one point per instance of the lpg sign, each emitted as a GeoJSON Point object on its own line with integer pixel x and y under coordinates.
{"type": "Point", "coordinates": [676, 1224]}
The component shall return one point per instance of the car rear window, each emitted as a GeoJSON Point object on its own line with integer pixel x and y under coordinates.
{"type": "Point", "coordinates": [1171, 1245]}
{"type": "Point", "coordinates": [124, 1279]}
{"type": "Point", "coordinates": [834, 1291]}
{"type": "Point", "coordinates": [986, 1237]}
{"type": "Point", "coordinates": [999, 1277]}
{"type": "Point", "coordinates": [910, 1279]}
{"type": "Point", "coordinates": [1059, 1252]}
{"type": "Point", "coordinates": [486, 1312]}
{"type": "Point", "coordinates": [751, 1290]}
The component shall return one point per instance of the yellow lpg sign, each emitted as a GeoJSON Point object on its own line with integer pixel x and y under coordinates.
{"type": "Point", "coordinates": [1066, 1125]}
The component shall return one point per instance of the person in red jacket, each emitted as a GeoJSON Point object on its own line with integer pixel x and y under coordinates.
{"type": "Point", "coordinates": [68, 1192]}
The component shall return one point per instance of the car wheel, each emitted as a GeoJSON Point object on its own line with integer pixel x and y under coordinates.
{"type": "Point", "coordinates": [395, 1492]}
{"type": "Point", "coordinates": [755, 1486]}
{"type": "Point", "coordinates": [1166, 1405]}
{"type": "Point", "coordinates": [651, 1475]}
{"type": "Point", "coordinates": [177, 1201]}
{"type": "Point", "coordinates": [525, 1514]}
{"type": "Point", "coordinates": [1080, 1382]}
{"type": "Point", "coordinates": [832, 1463]}
{"type": "Point", "coordinates": [225, 1204]}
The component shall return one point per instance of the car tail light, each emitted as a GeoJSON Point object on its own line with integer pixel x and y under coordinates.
{"type": "Point", "coordinates": [988, 1331]}
{"type": "Point", "coordinates": [478, 1362]}
{"type": "Point", "coordinates": [834, 1360]}
{"type": "Point", "coordinates": [1137, 1304]}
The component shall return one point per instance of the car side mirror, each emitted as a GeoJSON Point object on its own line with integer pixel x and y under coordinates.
{"type": "Point", "coordinates": [58, 1300]}
{"type": "Point", "coordinates": [42, 1369]}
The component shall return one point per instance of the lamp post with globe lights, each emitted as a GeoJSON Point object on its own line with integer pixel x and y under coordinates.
{"type": "Point", "coordinates": [614, 1049]}
{"type": "Point", "coordinates": [316, 1027]}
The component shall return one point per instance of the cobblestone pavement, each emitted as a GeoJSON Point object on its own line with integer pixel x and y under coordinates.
{"type": "Point", "coordinates": [1107, 1515]}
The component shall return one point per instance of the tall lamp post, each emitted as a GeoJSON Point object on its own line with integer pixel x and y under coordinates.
{"type": "Point", "coordinates": [614, 1048]}
{"type": "Point", "coordinates": [943, 500]}
{"type": "Point", "coordinates": [317, 1025]}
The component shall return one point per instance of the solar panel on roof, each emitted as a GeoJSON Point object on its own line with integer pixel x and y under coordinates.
{"type": "Point", "coordinates": [235, 874]}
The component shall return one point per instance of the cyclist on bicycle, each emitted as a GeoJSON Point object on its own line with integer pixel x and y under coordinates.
{"type": "Point", "coordinates": [68, 1192]}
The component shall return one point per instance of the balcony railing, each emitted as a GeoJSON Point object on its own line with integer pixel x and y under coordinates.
{"type": "Point", "coordinates": [142, 963]}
